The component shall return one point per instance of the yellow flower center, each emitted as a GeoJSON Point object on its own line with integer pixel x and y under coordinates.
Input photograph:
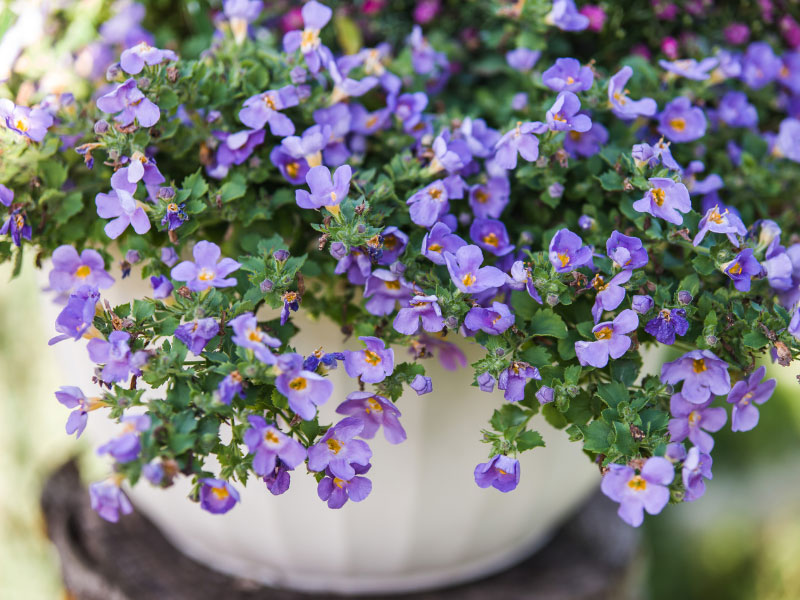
{"type": "Point", "coordinates": [220, 492]}
{"type": "Point", "coordinates": [637, 484]}
{"type": "Point", "coordinates": [736, 269]}
{"type": "Point", "coordinates": [21, 124]}
{"type": "Point", "coordinates": [373, 405]}
{"type": "Point", "coordinates": [339, 483]}
{"type": "Point", "coordinates": [564, 258]}
{"type": "Point", "coordinates": [468, 279]}
{"type": "Point", "coordinates": [19, 220]}
{"type": "Point", "coordinates": [269, 102]}
{"type": "Point", "coordinates": [172, 207]}
{"type": "Point", "coordinates": [309, 39]}
{"type": "Point", "coordinates": [502, 472]}
{"type": "Point", "coordinates": [271, 438]}
{"type": "Point", "coordinates": [694, 417]}
{"type": "Point", "coordinates": [575, 135]}
{"type": "Point", "coordinates": [205, 275]}
{"type": "Point", "coordinates": [334, 445]}
{"type": "Point", "coordinates": [666, 315]}
{"type": "Point", "coordinates": [558, 117]}
{"type": "Point", "coordinates": [699, 365]}
{"type": "Point", "coordinates": [435, 193]}
{"type": "Point", "coordinates": [435, 248]}
{"type": "Point", "coordinates": [678, 123]}
{"type": "Point", "coordinates": [393, 285]}
{"type": "Point", "coordinates": [491, 240]}
{"type": "Point", "coordinates": [298, 383]}
{"type": "Point", "coordinates": [658, 196]}
{"type": "Point", "coordinates": [254, 335]}
{"type": "Point", "coordinates": [372, 358]}
{"type": "Point", "coordinates": [333, 197]}
{"type": "Point", "coordinates": [83, 271]}
{"type": "Point", "coordinates": [570, 80]}
{"type": "Point", "coordinates": [481, 196]}
{"type": "Point", "coordinates": [599, 283]}
{"type": "Point", "coordinates": [603, 333]}
{"type": "Point", "coordinates": [371, 121]}
{"type": "Point", "coordinates": [746, 398]}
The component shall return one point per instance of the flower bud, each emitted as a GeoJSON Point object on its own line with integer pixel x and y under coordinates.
{"type": "Point", "coordinates": [556, 190]}
{"type": "Point", "coordinates": [585, 222]}
{"type": "Point", "coordinates": [132, 256]}
{"type": "Point", "coordinates": [113, 71]}
{"type": "Point", "coordinates": [552, 299]}
{"type": "Point", "coordinates": [451, 322]}
{"type": "Point", "coordinates": [361, 228]}
{"type": "Point", "coordinates": [684, 297]}
{"type": "Point", "coordinates": [499, 352]}
{"type": "Point", "coordinates": [397, 268]}
{"type": "Point", "coordinates": [711, 340]}
{"type": "Point", "coordinates": [281, 255]}
{"type": "Point", "coordinates": [166, 193]}
{"type": "Point", "coordinates": [144, 82]}
{"type": "Point", "coordinates": [266, 286]}
{"type": "Point", "coordinates": [101, 127]}
{"type": "Point", "coordinates": [338, 250]}
{"type": "Point", "coordinates": [545, 395]}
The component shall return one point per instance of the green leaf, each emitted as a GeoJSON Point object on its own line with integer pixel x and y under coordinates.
{"type": "Point", "coordinates": [529, 439]}
{"type": "Point", "coordinates": [755, 340]}
{"type": "Point", "coordinates": [610, 181]}
{"type": "Point", "coordinates": [704, 265]}
{"type": "Point", "coordinates": [195, 185]}
{"type": "Point", "coordinates": [547, 323]}
{"type": "Point", "coordinates": [596, 436]}
{"type": "Point", "coordinates": [143, 309]}
{"type": "Point", "coordinates": [624, 442]}
{"type": "Point", "coordinates": [613, 393]}
{"type": "Point", "coordinates": [625, 371]}
{"type": "Point", "coordinates": [53, 174]}
{"type": "Point", "coordinates": [510, 415]}
{"type": "Point", "coordinates": [233, 189]}
{"type": "Point", "coordinates": [538, 356]}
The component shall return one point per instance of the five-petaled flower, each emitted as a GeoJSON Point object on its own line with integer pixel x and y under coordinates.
{"type": "Point", "coordinates": [207, 270]}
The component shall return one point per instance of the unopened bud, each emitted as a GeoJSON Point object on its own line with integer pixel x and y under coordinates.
{"type": "Point", "coordinates": [338, 250]}
{"type": "Point", "coordinates": [451, 322]}
{"type": "Point", "coordinates": [166, 193]}
{"type": "Point", "coordinates": [266, 286]}
{"type": "Point", "coordinates": [684, 297]}
{"type": "Point", "coordinates": [101, 127]}
{"type": "Point", "coordinates": [552, 299]}
{"type": "Point", "coordinates": [281, 255]}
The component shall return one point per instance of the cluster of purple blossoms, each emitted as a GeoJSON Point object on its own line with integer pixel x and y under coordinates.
{"type": "Point", "coordinates": [116, 355]}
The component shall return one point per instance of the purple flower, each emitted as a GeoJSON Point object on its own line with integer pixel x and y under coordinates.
{"type": "Point", "coordinates": [325, 191]}
{"type": "Point", "coordinates": [248, 335]}
{"type": "Point", "coordinates": [745, 394]}
{"type": "Point", "coordinates": [373, 365]}
{"type": "Point", "coordinates": [696, 467]}
{"type": "Point", "coordinates": [494, 320]}
{"type": "Point", "coordinates": [622, 106]}
{"type": "Point", "coordinates": [116, 355]}
{"type": "Point", "coordinates": [642, 304]}
{"type": "Point", "coordinates": [566, 17]}
{"type": "Point", "coordinates": [264, 108]}
{"type": "Point", "coordinates": [521, 279]}
{"type": "Point", "coordinates": [587, 143]}
{"type": "Point", "coordinates": [278, 480]}
{"type": "Point", "coordinates": [356, 264]}
{"type": "Point", "coordinates": [667, 324]}
{"type": "Point", "coordinates": [174, 216]}
{"type": "Point", "coordinates": [294, 170]}
{"type": "Point", "coordinates": [108, 500]}
{"type": "Point", "coordinates": [196, 334]}
{"type": "Point", "coordinates": [29, 122]}
{"type": "Point", "coordinates": [491, 235]}
{"type": "Point", "coordinates": [637, 493]}
{"type": "Point", "coordinates": [501, 473]}
{"type": "Point", "coordinates": [234, 149]}
{"type": "Point", "coordinates": [338, 451]}
{"type": "Point", "coordinates": [479, 137]}
{"type": "Point", "coordinates": [514, 378]}
{"type": "Point", "coordinates": [126, 446]}
{"type": "Point", "coordinates": [522, 59]}
{"type": "Point", "coordinates": [267, 444]}
{"type": "Point", "coordinates": [291, 303]}
{"type": "Point", "coordinates": [520, 140]}
{"type": "Point", "coordinates": [304, 390]}
{"type": "Point", "coordinates": [422, 385]}
{"type": "Point", "coordinates": [394, 242]}
{"type": "Point", "coordinates": [77, 316]}
{"type": "Point", "coordinates": [207, 270]}
{"type": "Point", "coordinates": [486, 382]}
{"type": "Point", "coordinates": [489, 199]}
{"type": "Point", "coordinates": [130, 103]}
{"type": "Point", "coordinates": [611, 340]}
{"type": "Point", "coordinates": [720, 222]}
{"type": "Point", "coordinates": [665, 200]}
{"type": "Point", "coordinates": [424, 59]}
{"type": "Point", "coordinates": [627, 252]}
{"type": "Point", "coordinates": [72, 397]}
{"type": "Point", "coordinates": [742, 269]}
{"type": "Point", "coordinates": [162, 288]}
{"type": "Point", "coordinates": [610, 294]}
{"type": "Point", "coordinates": [450, 356]}
{"type": "Point", "coordinates": [545, 395]}
{"type": "Point", "coordinates": [429, 203]}
{"type": "Point", "coordinates": [120, 206]}
{"type": "Point", "coordinates": [568, 253]}
{"type": "Point", "coordinates": [374, 410]}
{"type": "Point", "coordinates": [682, 122]}
{"type": "Point", "coordinates": [439, 241]}
{"type": "Point", "coordinates": [735, 110]}
{"type": "Point", "coordinates": [134, 59]}
{"type": "Point", "coordinates": [787, 143]}
{"type": "Point", "coordinates": [568, 74]}
{"type": "Point", "coordinates": [71, 270]}
{"type": "Point", "coordinates": [760, 66]}
{"type": "Point", "coordinates": [217, 496]}
{"type": "Point", "coordinates": [408, 108]}
{"type": "Point", "coordinates": [420, 308]}
{"type": "Point", "coordinates": [6, 195]}
{"type": "Point", "coordinates": [564, 116]}
{"type": "Point", "coordinates": [702, 373]}
{"type": "Point", "coordinates": [449, 154]}
{"type": "Point", "coordinates": [693, 421]}
{"type": "Point", "coordinates": [690, 68]}
{"type": "Point", "coordinates": [585, 222]}
{"type": "Point", "coordinates": [17, 227]}
{"type": "Point", "coordinates": [230, 387]}
{"type": "Point", "coordinates": [468, 275]}
{"type": "Point", "coordinates": [337, 491]}
{"type": "Point", "coordinates": [384, 289]}
{"type": "Point", "coordinates": [315, 17]}
{"type": "Point", "coordinates": [168, 256]}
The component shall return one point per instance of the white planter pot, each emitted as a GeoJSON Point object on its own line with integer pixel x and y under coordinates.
{"type": "Point", "coordinates": [426, 524]}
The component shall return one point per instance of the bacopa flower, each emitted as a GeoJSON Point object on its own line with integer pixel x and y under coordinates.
{"type": "Point", "coordinates": [72, 397]}
{"type": "Point", "coordinates": [207, 270]}
{"type": "Point", "coordinates": [587, 143]}
{"type": "Point", "coordinates": [315, 17]}
{"type": "Point", "coordinates": [264, 108]}
{"type": "Point", "coordinates": [520, 140]}
{"type": "Point", "coordinates": [468, 275]}
{"type": "Point", "coordinates": [339, 451]}
{"type": "Point", "coordinates": [720, 221]}
{"type": "Point", "coordinates": [230, 387]}
{"type": "Point", "coordinates": [703, 373]}
{"type": "Point", "coordinates": [427, 205]}
{"type": "Point", "coordinates": [522, 59]}
{"type": "Point", "coordinates": [77, 316]}
{"type": "Point", "coordinates": [501, 473]}
{"type": "Point", "coordinates": [240, 13]}
{"type": "Point", "coordinates": [6, 195]}
{"type": "Point", "coordinates": [610, 294]}
{"type": "Point", "coordinates": [234, 149]}
{"type": "Point", "coordinates": [196, 334]}
{"type": "Point", "coordinates": [128, 103]}
{"type": "Point", "coordinates": [521, 278]}
{"type": "Point", "coordinates": [247, 334]}
{"type": "Point", "coordinates": [665, 200]}
{"type": "Point", "coordinates": [636, 493]}
{"type": "Point", "coordinates": [32, 123]}
{"type": "Point", "coordinates": [71, 270]}
{"type": "Point", "coordinates": [513, 379]}
{"type": "Point", "coordinates": [439, 241]}
{"type": "Point", "coordinates": [116, 355]}
{"type": "Point", "coordinates": [134, 59]}
{"type": "Point", "coordinates": [627, 252]}
{"type": "Point", "coordinates": [696, 468]}
{"type": "Point", "coordinates": [267, 444]}
{"type": "Point", "coordinates": [326, 191]}
{"type": "Point", "coordinates": [494, 320]}
{"type": "Point", "coordinates": [374, 411]}
{"type": "Point", "coordinates": [162, 287]}
{"type": "Point", "coordinates": [694, 420]}
{"type": "Point", "coordinates": [566, 17]}
{"type": "Point", "coordinates": [384, 289]}
{"type": "Point", "coordinates": [393, 243]}
{"type": "Point", "coordinates": [611, 340]}
{"type": "Point", "coordinates": [491, 235]}
{"type": "Point", "coordinates": [17, 227]}
{"type": "Point", "coordinates": [217, 496]}
{"type": "Point", "coordinates": [735, 110]}
{"type": "Point", "coordinates": [420, 309]}
{"type": "Point", "coordinates": [568, 74]}
{"type": "Point", "coordinates": [745, 395]}
{"type": "Point", "coordinates": [337, 491]}
{"type": "Point", "coordinates": [690, 68]}
{"type": "Point", "coordinates": [545, 395]}
{"type": "Point", "coordinates": [568, 253]}
{"type": "Point", "coordinates": [642, 304]}
{"type": "Point", "coordinates": [303, 389]}
{"type": "Point", "coordinates": [667, 325]}
{"type": "Point", "coordinates": [126, 446]}
{"type": "Point", "coordinates": [564, 115]}
{"type": "Point", "coordinates": [623, 106]}
{"type": "Point", "coordinates": [123, 209]}
{"type": "Point", "coordinates": [372, 365]}
{"type": "Point", "coordinates": [682, 122]}
{"type": "Point", "coordinates": [108, 500]}
{"type": "Point", "coordinates": [294, 170]}
{"type": "Point", "coordinates": [742, 269]}
{"type": "Point", "coordinates": [760, 66]}
{"type": "Point", "coordinates": [174, 216]}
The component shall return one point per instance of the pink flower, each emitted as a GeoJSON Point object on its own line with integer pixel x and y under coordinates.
{"type": "Point", "coordinates": [597, 16]}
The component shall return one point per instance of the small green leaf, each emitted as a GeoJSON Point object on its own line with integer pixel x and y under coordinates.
{"type": "Point", "coordinates": [755, 340]}
{"type": "Point", "coordinates": [613, 393]}
{"type": "Point", "coordinates": [547, 323]}
{"type": "Point", "coordinates": [596, 436]}
{"type": "Point", "coordinates": [529, 439]}
{"type": "Point", "coordinates": [610, 181]}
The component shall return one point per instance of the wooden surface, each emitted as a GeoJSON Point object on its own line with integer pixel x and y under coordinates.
{"type": "Point", "coordinates": [592, 557]}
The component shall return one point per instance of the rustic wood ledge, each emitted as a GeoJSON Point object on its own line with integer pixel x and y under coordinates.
{"type": "Point", "coordinates": [592, 557]}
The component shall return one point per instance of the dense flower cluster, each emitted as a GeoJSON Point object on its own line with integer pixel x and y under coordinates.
{"type": "Point", "coordinates": [549, 208]}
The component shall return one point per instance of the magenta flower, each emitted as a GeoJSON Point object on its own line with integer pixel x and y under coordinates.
{"type": "Point", "coordinates": [123, 209]}
{"type": "Point", "coordinates": [494, 320]}
{"type": "Point", "coordinates": [217, 496]}
{"type": "Point", "coordinates": [718, 221]}
{"type": "Point", "coordinates": [315, 17]}
{"type": "Point", "coordinates": [71, 270]}
{"type": "Point", "coordinates": [372, 365]}
{"type": "Point", "coordinates": [568, 253]}
{"type": "Point", "coordinates": [743, 268]}
{"type": "Point", "coordinates": [196, 334]}
{"type": "Point", "coordinates": [520, 140]}
{"type": "Point", "coordinates": [247, 334]}
{"type": "Point", "coordinates": [134, 59]}
{"type": "Point", "coordinates": [702, 373]}
{"type": "Point", "coordinates": [424, 309]}
{"type": "Point", "coordinates": [267, 444]}
{"type": "Point", "coordinates": [117, 356]}
{"type": "Point", "coordinates": [568, 74]}
{"type": "Point", "coordinates": [690, 68]}
{"type": "Point", "coordinates": [325, 191]}
{"type": "Point", "coordinates": [665, 200]}
{"type": "Point", "coordinates": [303, 389]}
{"type": "Point", "coordinates": [207, 270]}
{"type": "Point", "coordinates": [264, 108]}
{"type": "Point", "coordinates": [339, 451]}
{"type": "Point", "coordinates": [337, 491]}
{"type": "Point", "coordinates": [624, 107]}
{"type": "Point", "coordinates": [501, 473]}
{"type": "Point", "coordinates": [694, 420]}
{"type": "Point", "coordinates": [564, 115]}
{"type": "Point", "coordinates": [439, 241]}
{"type": "Point", "coordinates": [611, 340]}
{"type": "Point", "coordinates": [374, 410]}
{"type": "Point", "coordinates": [513, 380]}
{"type": "Point", "coordinates": [682, 122]}
{"type": "Point", "coordinates": [129, 103]}
{"type": "Point", "coordinates": [108, 500]}
{"type": "Point", "coordinates": [468, 275]}
{"type": "Point", "coordinates": [744, 396]}
{"type": "Point", "coordinates": [636, 493]}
